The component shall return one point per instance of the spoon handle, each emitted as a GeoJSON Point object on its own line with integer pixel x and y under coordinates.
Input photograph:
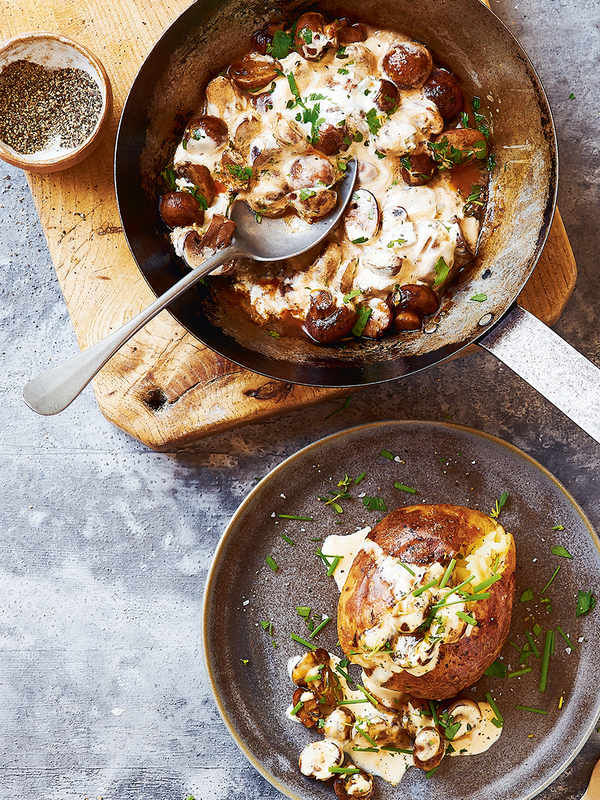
{"type": "Point", "coordinates": [52, 391]}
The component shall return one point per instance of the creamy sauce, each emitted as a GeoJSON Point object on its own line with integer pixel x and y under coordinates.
{"type": "Point", "coordinates": [418, 224]}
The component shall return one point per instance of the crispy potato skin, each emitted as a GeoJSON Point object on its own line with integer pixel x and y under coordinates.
{"type": "Point", "coordinates": [419, 535]}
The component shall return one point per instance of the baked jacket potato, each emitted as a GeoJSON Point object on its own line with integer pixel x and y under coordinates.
{"type": "Point", "coordinates": [405, 612]}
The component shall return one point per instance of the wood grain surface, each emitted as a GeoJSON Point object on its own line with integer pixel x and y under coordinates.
{"type": "Point", "coordinates": [164, 387]}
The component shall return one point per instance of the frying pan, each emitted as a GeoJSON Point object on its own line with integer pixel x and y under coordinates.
{"type": "Point", "coordinates": [468, 38]}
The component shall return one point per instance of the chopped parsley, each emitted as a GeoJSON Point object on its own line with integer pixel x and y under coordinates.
{"type": "Point", "coordinates": [441, 271]}
{"type": "Point", "coordinates": [585, 602]}
{"type": "Point", "coordinates": [281, 45]}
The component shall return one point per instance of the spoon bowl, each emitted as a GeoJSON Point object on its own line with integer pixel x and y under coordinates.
{"type": "Point", "coordinates": [271, 240]}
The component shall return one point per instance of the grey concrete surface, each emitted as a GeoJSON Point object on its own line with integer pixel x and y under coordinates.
{"type": "Point", "coordinates": [106, 545]}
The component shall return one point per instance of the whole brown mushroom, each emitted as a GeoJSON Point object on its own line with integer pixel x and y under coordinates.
{"type": "Point", "coordinates": [355, 785]}
{"type": "Point", "coordinates": [180, 209]}
{"type": "Point", "coordinates": [408, 64]}
{"type": "Point", "coordinates": [418, 169]}
{"type": "Point", "coordinates": [206, 127]}
{"type": "Point", "coordinates": [326, 322]}
{"type": "Point", "coordinates": [254, 71]}
{"type": "Point", "coordinates": [443, 89]}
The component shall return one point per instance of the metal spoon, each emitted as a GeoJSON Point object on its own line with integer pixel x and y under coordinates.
{"type": "Point", "coordinates": [593, 790]}
{"type": "Point", "coordinates": [272, 240]}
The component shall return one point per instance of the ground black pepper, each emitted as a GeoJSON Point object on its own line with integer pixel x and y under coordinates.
{"type": "Point", "coordinates": [42, 108]}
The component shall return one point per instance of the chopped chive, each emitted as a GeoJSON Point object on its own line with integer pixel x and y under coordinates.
{"type": "Point", "coordinates": [391, 749]}
{"type": "Point", "coordinates": [345, 770]}
{"type": "Point", "coordinates": [303, 611]}
{"type": "Point", "coordinates": [556, 571]}
{"type": "Point", "coordinates": [548, 642]}
{"type": "Point", "coordinates": [517, 648]}
{"type": "Point", "coordinates": [532, 644]}
{"type": "Point", "coordinates": [341, 408]}
{"type": "Point", "coordinates": [466, 617]}
{"type": "Point", "coordinates": [320, 627]}
{"type": "Point", "coordinates": [464, 583]}
{"type": "Point", "coordinates": [294, 516]}
{"type": "Point", "coordinates": [333, 565]}
{"type": "Point", "coordinates": [518, 672]}
{"type": "Point", "coordinates": [408, 569]}
{"type": "Point", "coordinates": [369, 697]}
{"type": "Point", "coordinates": [287, 539]}
{"type": "Point", "coordinates": [360, 478]}
{"type": "Point", "coordinates": [387, 454]}
{"type": "Point", "coordinates": [448, 573]}
{"type": "Point", "coordinates": [350, 702]}
{"type": "Point", "coordinates": [421, 589]}
{"type": "Point", "coordinates": [432, 772]}
{"type": "Point", "coordinates": [300, 640]}
{"type": "Point", "coordinates": [344, 674]}
{"type": "Point", "coordinates": [403, 488]}
{"type": "Point", "coordinates": [471, 598]}
{"type": "Point", "coordinates": [365, 749]}
{"type": "Point", "coordinates": [296, 708]}
{"type": "Point", "coordinates": [565, 636]}
{"type": "Point", "coordinates": [436, 720]}
{"type": "Point", "coordinates": [366, 736]}
{"type": "Point", "coordinates": [487, 582]}
{"type": "Point", "coordinates": [494, 707]}
{"type": "Point", "coordinates": [272, 563]}
{"type": "Point", "coordinates": [533, 710]}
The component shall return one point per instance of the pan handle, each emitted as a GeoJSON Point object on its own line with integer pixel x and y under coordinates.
{"type": "Point", "coordinates": [555, 369]}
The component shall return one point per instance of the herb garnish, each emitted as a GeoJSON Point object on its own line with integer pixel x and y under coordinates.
{"type": "Point", "coordinates": [585, 602]}
{"type": "Point", "coordinates": [403, 488]}
{"type": "Point", "coordinates": [364, 312]}
{"type": "Point", "coordinates": [559, 550]}
{"type": "Point", "coordinates": [281, 45]}
{"type": "Point", "coordinates": [441, 271]}
{"type": "Point", "coordinates": [499, 505]}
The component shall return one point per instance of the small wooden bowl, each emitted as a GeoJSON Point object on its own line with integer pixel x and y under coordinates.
{"type": "Point", "coordinates": [52, 51]}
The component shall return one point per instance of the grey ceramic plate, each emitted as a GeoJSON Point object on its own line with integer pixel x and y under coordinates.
{"type": "Point", "coordinates": [444, 463]}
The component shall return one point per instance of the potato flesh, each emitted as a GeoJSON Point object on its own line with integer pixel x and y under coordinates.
{"type": "Point", "coordinates": [419, 655]}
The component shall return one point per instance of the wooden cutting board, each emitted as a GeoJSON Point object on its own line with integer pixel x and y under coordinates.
{"type": "Point", "coordinates": [164, 387]}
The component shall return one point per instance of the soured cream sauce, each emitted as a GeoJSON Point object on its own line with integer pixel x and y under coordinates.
{"type": "Point", "coordinates": [419, 224]}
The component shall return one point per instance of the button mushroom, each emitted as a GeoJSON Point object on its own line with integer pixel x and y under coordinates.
{"type": "Point", "coordinates": [443, 89]}
{"type": "Point", "coordinates": [199, 176]}
{"type": "Point", "coordinates": [205, 134]}
{"type": "Point", "coordinates": [465, 712]}
{"type": "Point", "coordinates": [380, 321]}
{"type": "Point", "coordinates": [309, 712]}
{"type": "Point", "coordinates": [415, 297]}
{"type": "Point", "coordinates": [349, 32]}
{"type": "Point", "coordinates": [179, 209]}
{"type": "Point", "coordinates": [362, 218]}
{"type": "Point", "coordinates": [358, 784]}
{"type": "Point", "coordinates": [331, 139]}
{"type": "Point", "coordinates": [314, 36]}
{"type": "Point", "coordinates": [457, 147]}
{"type": "Point", "coordinates": [198, 247]}
{"type": "Point", "coordinates": [418, 169]}
{"type": "Point", "coordinates": [428, 749]}
{"type": "Point", "coordinates": [337, 726]}
{"type": "Point", "coordinates": [326, 322]}
{"type": "Point", "coordinates": [408, 64]}
{"type": "Point", "coordinates": [317, 758]}
{"type": "Point", "coordinates": [254, 71]}
{"type": "Point", "coordinates": [387, 97]}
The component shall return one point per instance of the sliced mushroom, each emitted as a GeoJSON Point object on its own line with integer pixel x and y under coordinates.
{"type": "Point", "coordinates": [312, 203]}
{"type": "Point", "coordinates": [338, 725]}
{"type": "Point", "coordinates": [467, 712]}
{"type": "Point", "coordinates": [309, 712]}
{"type": "Point", "coordinates": [200, 176]}
{"type": "Point", "coordinates": [358, 784]}
{"type": "Point", "coordinates": [242, 133]}
{"type": "Point", "coordinates": [408, 64]}
{"type": "Point", "coordinates": [179, 209]}
{"type": "Point", "coordinates": [197, 248]}
{"type": "Point", "coordinates": [311, 170]}
{"type": "Point", "coordinates": [222, 99]}
{"type": "Point", "coordinates": [317, 758]}
{"type": "Point", "coordinates": [383, 731]}
{"type": "Point", "coordinates": [428, 749]}
{"type": "Point", "coordinates": [254, 71]}
{"type": "Point", "coordinates": [323, 684]}
{"type": "Point", "coordinates": [417, 715]}
{"type": "Point", "coordinates": [362, 219]}
{"type": "Point", "coordinates": [326, 322]}
{"type": "Point", "coordinates": [268, 197]}
{"type": "Point", "coordinates": [285, 134]}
